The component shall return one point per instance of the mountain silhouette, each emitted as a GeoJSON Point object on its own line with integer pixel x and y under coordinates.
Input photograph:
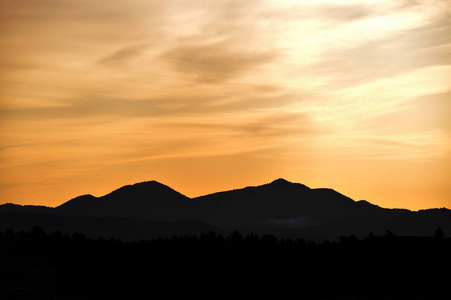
{"type": "Point", "coordinates": [31, 209]}
{"type": "Point", "coordinates": [287, 205]}
{"type": "Point", "coordinates": [149, 200]}
{"type": "Point", "coordinates": [277, 204]}
{"type": "Point", "coordinates": [280, 207]}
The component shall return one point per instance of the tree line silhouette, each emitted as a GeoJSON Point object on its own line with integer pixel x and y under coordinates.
{"type": "Point", "coordinates": [40, 265]}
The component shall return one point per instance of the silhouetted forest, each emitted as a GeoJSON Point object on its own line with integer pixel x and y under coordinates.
{"type": "Point", "coordinates": [39, 265]}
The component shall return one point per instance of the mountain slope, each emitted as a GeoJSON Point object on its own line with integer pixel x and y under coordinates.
{"type": "Point", "coordinates": [30, 209]}
{"type": "Point", "coordinates": [148, 200]}
{"type": "Point", "coordinates": [285, 204]}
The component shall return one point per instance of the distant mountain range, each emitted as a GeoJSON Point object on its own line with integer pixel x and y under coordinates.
{"type": "Point", "coordinates": [151, 209]}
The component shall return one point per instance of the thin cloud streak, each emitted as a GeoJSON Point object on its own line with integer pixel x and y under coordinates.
{"type": "Point", "coordinates": [123, 55]}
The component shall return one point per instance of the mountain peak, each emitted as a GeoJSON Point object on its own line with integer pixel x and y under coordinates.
{"type": "Point", "coordinates": [140, 187]}
{"type": "Point", "coordinates": [281, 182]}
{"type": "Point", "coordinates": [148, 199]}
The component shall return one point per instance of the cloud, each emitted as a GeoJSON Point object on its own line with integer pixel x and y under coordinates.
{"type": "Point", "coordinates": [123, 55]}
{"type": "Point", "coordinates": [430, 112]}
{"type": "Point", "coordinates": [403, 4]}
{"type": "Point", "coordinates": [276, 125]}
{"type": "Point", "coordinates": [94, 106]}
{"type": "Point", "coordinates": [419, 145]}
{"type": "Point", "coordinates": [198, 104]}
{"type": "Point", "coordinates": [426, 45]}
{"type": "Point", "coordinates": [347, 12]}
{"type": "Point", "coordinates": [216, 62]}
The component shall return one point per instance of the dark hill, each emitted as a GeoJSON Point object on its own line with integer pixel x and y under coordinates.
{"type": "Point", "coordinates": [285, 204]}
{"type": "Point", "coordinates": [31, 209]}
{"type": "Point", "coordinates": [147, 200]}
{"type": "Point", "coordinates": [84, 205]}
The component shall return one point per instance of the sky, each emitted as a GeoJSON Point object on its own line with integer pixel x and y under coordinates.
{"type": "Point", "coordinates": [205, 96]}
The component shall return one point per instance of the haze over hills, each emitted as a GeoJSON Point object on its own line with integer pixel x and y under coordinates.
{"type": "Point", "coordinates": [280, 207]}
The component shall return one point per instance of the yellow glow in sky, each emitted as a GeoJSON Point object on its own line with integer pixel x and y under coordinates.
{"type": "Point", "coordinates": [213, 95]}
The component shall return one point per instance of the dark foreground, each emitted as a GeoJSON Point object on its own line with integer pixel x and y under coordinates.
{"type": "Point", "coordinates": [36, 265]}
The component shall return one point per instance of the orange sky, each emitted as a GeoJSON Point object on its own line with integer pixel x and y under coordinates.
{"type": "Point", "coordinates": [206, 96]}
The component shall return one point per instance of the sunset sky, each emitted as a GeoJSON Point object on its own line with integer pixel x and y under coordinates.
{"type": "Point", "coordinates": [206, 96]}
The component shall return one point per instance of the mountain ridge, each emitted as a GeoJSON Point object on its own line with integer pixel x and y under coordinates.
{"type": "Point", "coordinates": [280, 182]}
{"type": "Point", "coordinates": [280, 206]}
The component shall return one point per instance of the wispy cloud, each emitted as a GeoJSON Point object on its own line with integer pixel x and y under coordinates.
{"type": "Point", "coordinates": [215, 63]}
{"type": "Point", "coordinates": [123, 55]}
